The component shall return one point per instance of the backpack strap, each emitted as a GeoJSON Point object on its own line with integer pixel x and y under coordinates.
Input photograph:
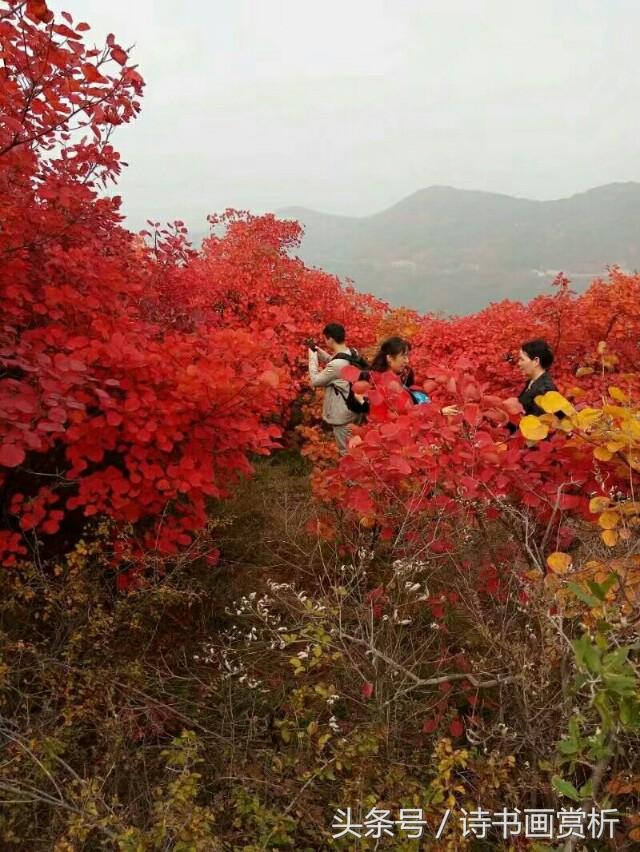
{"type": "Point", "coordinates": [351, 356]}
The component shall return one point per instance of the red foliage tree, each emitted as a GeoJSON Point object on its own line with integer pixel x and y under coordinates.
{"type": "Point", "coordinates": [136, 378]}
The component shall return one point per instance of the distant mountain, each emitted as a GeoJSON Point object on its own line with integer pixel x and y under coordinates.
{"type": "Point", "coordinates": [453, 250]}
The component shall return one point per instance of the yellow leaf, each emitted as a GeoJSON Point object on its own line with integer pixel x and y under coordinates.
{"type": "Point", "coordinates": [610, 537]}
{"type": "Point", "coordinates": [584, 371]}
{"type": "Point", "coordinates": [633, 428]}
{"type": "Point", "coordinates": [617, 393]}
{"type": "Point", "coordinates": [587, 417]}
{"type": "Point", "coordinates": [614, 446]}
{"type": "Point", "coordinates": [602, 454]}
{"type": "Point", "coordinates": [608, 520]}
{"type": "Point", "coordinates": [625, 534]}
{"type": "Point", "coordinates": [533, 429]}
{"type": "Point", "coordinates": [576, 391]}
{"type": "Point", "coordinates": [598, 504]}
{"type": "Point", "coordinates": [559, 562]}
{"type": "Point", "coordinates": [615, 410]}
{"type": "Point", "coordinates": [552, 402]}
{"type": "Point", "coordinates": [602, 347]}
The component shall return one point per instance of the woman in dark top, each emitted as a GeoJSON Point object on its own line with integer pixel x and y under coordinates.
{"type": "Point", "coordinates": [534, 360]}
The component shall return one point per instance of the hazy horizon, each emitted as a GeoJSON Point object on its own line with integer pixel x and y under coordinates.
{"type": "Point", "coordinates": [456, 189]}
{"type": "Point", "coordinates": [349, 108]}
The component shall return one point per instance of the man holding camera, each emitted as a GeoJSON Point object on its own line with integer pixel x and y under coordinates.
{"type": "Point", "coordinates": [338, 356]}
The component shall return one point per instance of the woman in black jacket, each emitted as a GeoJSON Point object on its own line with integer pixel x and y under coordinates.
{"type": "Point", "coordinates": [534, 360]}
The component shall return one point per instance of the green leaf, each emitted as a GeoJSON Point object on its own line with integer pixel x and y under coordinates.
{"type": "Point", "coordinates": [584, 596]}
{"type": "Point", "coordinates": [630, 713]}
{"type": "Point", "coordinates": [601, 703]}
{"type": "Point", "coordinates": [438, 797]}
{"type": "Point", "coordinates": [586, 790]}
{"type": "Point", "coordinates": [565, 788]}
{"type": "Point", "coordinates": [616, 658]}
{"type": "Point", "coordinates": [596, 588]}
{"type": "Point", "coordinates": [587, 655]}
{"type": "Point", "coordinates": [574, 728]}
{"type": "Point", "coordinates": [620, 684]}
{"type": "Point", "coordinates": [608, 583]}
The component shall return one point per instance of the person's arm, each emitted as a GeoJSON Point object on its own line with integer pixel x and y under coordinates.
{"type": "Point", "coordinates": [322, 355]}
{"type": "Point", "coordinates": [322, 378]}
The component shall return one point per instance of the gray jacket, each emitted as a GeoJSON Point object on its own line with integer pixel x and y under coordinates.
{"type": "Point", "coordinates": [334, 409]}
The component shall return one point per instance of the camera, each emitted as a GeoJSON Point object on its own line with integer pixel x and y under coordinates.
{"type": "Point", "coordinates": [310, 342]}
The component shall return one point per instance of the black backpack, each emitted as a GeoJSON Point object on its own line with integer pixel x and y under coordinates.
{"type": "Point", "coordinates": [356, 360]}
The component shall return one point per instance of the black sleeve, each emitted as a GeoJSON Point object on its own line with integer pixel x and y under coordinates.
{"type": "Point", "coordinates": [542, 385]}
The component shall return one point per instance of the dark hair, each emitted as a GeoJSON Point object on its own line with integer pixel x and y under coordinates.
{"type": "Point", "coordinates": [392, 346]}
{"type": "Point", "coordinates": [539, 349]}
{"type": "Point", "coordinates": [335, 331]}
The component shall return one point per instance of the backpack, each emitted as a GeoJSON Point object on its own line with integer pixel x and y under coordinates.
{"type": "Point", "coordinates": [356, 360]}
{"type": "Point", "coordinates": [419, 397]}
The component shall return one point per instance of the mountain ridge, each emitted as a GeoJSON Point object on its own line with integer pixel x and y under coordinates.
{"type": "Point", "coordinates": [456, 250]}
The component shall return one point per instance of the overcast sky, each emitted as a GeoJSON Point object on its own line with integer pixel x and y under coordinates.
{"type": "Point", "coordinates": [347, 106]}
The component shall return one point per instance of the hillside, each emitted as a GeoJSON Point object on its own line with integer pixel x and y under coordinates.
{"type": "Point", "coordinates": [452, 250]}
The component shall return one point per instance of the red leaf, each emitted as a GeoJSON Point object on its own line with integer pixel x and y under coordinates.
{"type": "Point", "coordinates": [400, 464]}
{"type": "Point", "coordinates": [429, 725]}
{"type": "Point", "coordinates": [270, 377]}
{"type": "Point", "coordinates": [350, 373]}
{"type": "Point", "coordinates": [512, 405]}
{"type": "Point", "coordinates": [367, 689]}
{"type": "Point", "coordinates": [119, 55]}
{"type": "Point", "coordinates": [375, 594]}
{"type": "Point", "coordinates": [456, 728]}
{"type": "Point", "coordinates": [472, 414]}
{"type": "Point", "coordinates": [91, 73]}
{"type": "Point", "coordinates": [11, 456]}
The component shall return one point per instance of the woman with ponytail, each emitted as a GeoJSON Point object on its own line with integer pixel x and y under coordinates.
{"type": "Point", "coordinates": [391, 375]}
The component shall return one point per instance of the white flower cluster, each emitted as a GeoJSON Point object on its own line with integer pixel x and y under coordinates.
{"type": "Point", "coordinates": [265, 614]}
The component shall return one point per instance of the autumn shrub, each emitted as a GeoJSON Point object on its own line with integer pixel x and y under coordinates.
{"type": "Point", "coordinates": [137, 376]}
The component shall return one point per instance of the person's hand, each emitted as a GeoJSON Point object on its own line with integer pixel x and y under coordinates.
{"type": "Point", "coordinates": [450, 410]}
